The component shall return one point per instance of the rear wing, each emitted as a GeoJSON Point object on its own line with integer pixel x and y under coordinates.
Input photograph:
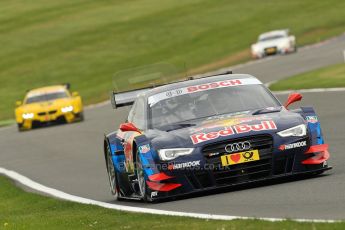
{"type": "Point", "coordinates": [125, 98]}
{"type": "Point", "coordinates": [67, 86]}
{"type": "Point", "coordinates": [120, 99]}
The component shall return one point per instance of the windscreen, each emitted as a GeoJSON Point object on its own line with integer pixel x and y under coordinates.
{"type": "Point", "coordinates": [271, 38]}
{"type": "Point", "coordinates": [188, 107]}
{"type": "Point", "coordinates": [46, 97]}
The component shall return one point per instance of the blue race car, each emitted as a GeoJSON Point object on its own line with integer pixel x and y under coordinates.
{"type": "Point", "coordinates": [209, 133]}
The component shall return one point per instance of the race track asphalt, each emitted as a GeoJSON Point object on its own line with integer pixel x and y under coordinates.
{"type": "Point", "coordinates": [70, 158]}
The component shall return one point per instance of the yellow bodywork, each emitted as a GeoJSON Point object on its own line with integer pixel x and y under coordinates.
{"type": "Point", "coordinates": [68, 108]}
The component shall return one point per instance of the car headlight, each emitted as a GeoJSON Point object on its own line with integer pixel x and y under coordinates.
{"type": "Point", "coordinates": [28, 115]}
{"type": "Point", "coordinates": [170, 154]}
{"type": "Point", "coordinates": [284, 46]}
{"type": "Point", "coordinates": [67, 109]}
{"type": "Point", "coordinates": [297, 131]}
{"type": "Point", "coordinates": [255, 49]}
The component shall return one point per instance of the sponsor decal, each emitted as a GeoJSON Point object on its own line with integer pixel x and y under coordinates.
{"type": "Point", "coordinates": [227, 116]}
{"type": "Point", "coordinates": [293, 145]}
{"type": "Point", "coordinates": [213, 154]}
{"type": "Point", "coordinates": [312, 119]}
{"type": "Point", "coordinates": [174, 93]}
{"type": "Point", "coordinates": [210, 124]}
{"type": "Point", "coordinates": [184, 165]}
{"type": "Point", "coordinates": [144, 148]}
{"type": "Point", "coordinates": [232, 130]}
{"type": "Point", "coordinates": [239, 158]}
{"type": "Point", "coordinates": [152, 100]}
{"type": "Point", "coordinates": [219, 84]}
{"type": "Point", "coordinates": [216, 124]}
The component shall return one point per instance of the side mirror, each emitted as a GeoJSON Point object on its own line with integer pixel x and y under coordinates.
{"type": "Point", "coordinates": [125, 127]}
{"type": "Point", "coordinates": [19, 103]}
{"type": "Point", "coordinates": [293, 97]}
{"type": "Point", "coordinates": [75, 94]}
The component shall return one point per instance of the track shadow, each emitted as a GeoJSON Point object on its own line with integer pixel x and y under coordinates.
{"type": "Point", "coordinates": [234, 188]}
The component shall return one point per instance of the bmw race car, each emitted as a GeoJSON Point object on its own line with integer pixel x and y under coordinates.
{"type": "Point", "coordinates": [274, 42]}
{"type": "Point", "coordinates": [209, 133]}
{"type": "Point", "coordinates": [51, 104]}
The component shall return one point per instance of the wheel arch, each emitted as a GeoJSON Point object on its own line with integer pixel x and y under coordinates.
{"type": "Point", "coordinates": [138, 140]}
{"type": "Point", "coordinates": [108, 140]}
{"type": "Point", "coordinates": [314, 126]}
{"type": "Point", "coordinates": [105, 145]}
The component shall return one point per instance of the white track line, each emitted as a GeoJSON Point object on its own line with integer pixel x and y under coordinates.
{"type": "Point", "coordinates": [65, 196]}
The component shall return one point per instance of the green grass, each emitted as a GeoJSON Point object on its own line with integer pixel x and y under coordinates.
{"type": "Point", "coordinates": [328, 77]}
{"type": "Point", "coordinates": [22, 210]}
{"type": "Point", "coordinates": [7, 122]}
{"type": "Point", "coordinates": [86, 42]}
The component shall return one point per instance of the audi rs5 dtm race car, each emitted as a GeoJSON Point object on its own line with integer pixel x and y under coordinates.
{"type": "Point", "coordinates": [207, 133]}
{"type": "Point", "coordinates": [274, 42]}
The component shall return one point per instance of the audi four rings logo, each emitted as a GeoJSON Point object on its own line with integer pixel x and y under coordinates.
{"type": "Point", "coordinates": [237, 147]}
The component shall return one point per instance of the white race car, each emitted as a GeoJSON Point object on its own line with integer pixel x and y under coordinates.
{"type": "Point", "coordinates": [274, 42]}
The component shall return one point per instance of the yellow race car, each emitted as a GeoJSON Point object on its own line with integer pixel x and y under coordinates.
{"type": "Point", "coordinates": [47, 105]}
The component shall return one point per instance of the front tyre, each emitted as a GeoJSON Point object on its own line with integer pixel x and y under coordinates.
{"type": "Point", "coordinates": [139, 172]}
{"type": "Point", "coordinates": [80, 116]}
{"type": "Point", "coordinates": [111, 173]}
{"type": "Point", "coordinates": [20, 127]}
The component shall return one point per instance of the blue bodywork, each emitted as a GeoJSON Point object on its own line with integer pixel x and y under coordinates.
{"type": "Point", "coordinates": [277, 159]}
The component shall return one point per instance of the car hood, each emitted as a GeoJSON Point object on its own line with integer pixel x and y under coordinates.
{"type": "Point", "coordinates": [224, 127]}
{"type": "Point", "coordinates": [45, 106]}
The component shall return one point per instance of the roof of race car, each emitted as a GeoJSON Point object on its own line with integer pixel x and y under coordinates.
{"type": "Point", "coordinates": [47, 89]}
{"type": "Point", "coordinates": [198, 81]}
{"type": "Point", "coordinates": [188, 86]}
{"type": "Point", "coordinates": [274, 33]}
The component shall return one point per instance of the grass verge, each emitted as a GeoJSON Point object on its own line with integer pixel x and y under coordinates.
{"type": "Point", "coordinates": [22, 210]}
{"type": "Point", "coordinates": [7, 122]}
{"type": "Point", "coordinates": [328, 77]}
{"type": "Point", "coordinates": [86, 42]}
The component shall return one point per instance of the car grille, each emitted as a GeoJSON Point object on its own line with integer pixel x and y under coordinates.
{"type": "Point", "coordinates": [241, 172]}
{"type": "Point", "coordinates": [271, 50]}
{"type": "Point", "coordinates": [45, 113]}
{"type": "Point", "coordinates": [283, 165]}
